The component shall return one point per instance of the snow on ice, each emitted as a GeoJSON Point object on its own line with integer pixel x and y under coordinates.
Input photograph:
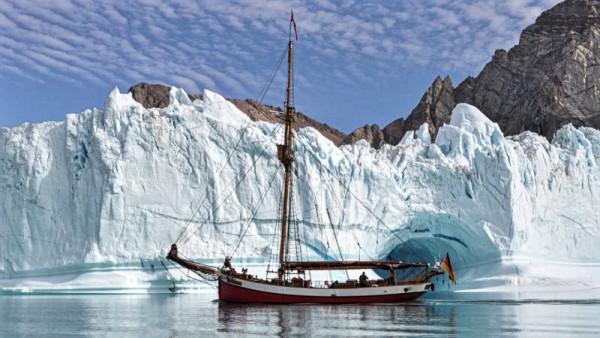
{"type": "Point", "coordinates": [93, 203]}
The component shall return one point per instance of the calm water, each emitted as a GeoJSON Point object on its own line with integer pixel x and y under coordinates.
{"type": "Point", "coordinates": [199, 315]}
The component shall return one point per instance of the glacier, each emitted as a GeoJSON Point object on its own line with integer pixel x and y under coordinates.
{"type": "Point", "coordinates": [92, 204]}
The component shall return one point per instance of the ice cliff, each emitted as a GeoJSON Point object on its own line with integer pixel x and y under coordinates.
{"type": "Point", "coordinates": [106, 192]}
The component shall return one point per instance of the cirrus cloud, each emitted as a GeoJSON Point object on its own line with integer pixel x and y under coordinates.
{"type": "Point", "coordinates": [231, 46]}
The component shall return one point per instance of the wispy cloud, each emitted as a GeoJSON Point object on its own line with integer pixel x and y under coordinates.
{"type": "Point", "coordinates": [223, 45]}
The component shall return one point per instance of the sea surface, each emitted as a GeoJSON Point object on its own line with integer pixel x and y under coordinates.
{"type": "Point", "coordinates": [200, 315]}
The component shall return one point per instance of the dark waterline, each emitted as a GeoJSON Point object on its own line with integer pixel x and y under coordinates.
{"type": "Point", "coordinates": [438, 314]}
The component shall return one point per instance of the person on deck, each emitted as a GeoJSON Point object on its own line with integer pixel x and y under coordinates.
{"type": "Point", "coordinates": [227, 263]}
{"type": "Point", "coordinates": [363, 279]}
{"type": "Point", "coordinates": [393, 277]}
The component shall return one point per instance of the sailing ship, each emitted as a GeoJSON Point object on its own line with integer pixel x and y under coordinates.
{"type": "Point", "coordinates": [242, 287]}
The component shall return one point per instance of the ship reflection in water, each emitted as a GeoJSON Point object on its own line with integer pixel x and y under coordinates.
{"type": "Point", "coordinates": [437, 314]}
{"type": "Point", "coordinates": [333, 320]}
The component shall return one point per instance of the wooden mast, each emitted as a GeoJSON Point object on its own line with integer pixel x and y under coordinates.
{"type": "Point", "coordinates": [284, 152]}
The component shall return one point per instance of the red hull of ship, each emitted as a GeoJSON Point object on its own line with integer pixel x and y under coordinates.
{"type": "Point", "coordinates": [236, 294]}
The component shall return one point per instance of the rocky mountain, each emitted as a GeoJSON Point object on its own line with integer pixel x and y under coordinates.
{"type": "Point", "coordinates": [549, 79]}
{"type": "Point", "coordinates": [258, 111]}
{"type": "Point", "coordinates": [154, 95]}
{"type": "Point", "coordinates": [370, 133]}
{"type": "Point", "coordinates": [434, 109]}
{"type": "Point", "coordinates": [157, 96]}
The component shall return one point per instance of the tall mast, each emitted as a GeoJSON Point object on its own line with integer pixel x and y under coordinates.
{"type": "Point", "coordinates": [285, 154]}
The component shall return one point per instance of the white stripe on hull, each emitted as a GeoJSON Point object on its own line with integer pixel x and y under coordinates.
{"type": "Point", "coordinates": [417, 287]}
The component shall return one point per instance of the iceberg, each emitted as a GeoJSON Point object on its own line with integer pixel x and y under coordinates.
{"type": "Point", "coordinates": [92, 204]}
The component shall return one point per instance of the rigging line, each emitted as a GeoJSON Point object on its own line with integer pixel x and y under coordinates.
{"type": "Point", "coordinates": [297, 230]}
{"type": "Point", "coordinates": [305, 241]}
{"type": "Point", "coordinates": [306, 217]}
{"type": "Point", "coordinates": [324, 236]}
{"type": "Point", "coordinates": [326, 251]}
{"type": "Point", "coordinates": [345, 199]}
{"type": "Point", "coordinates": [272, 257]}
{"type": "Point", "coordinates": [289, 227]}
{"type": "Point", "coordinates": [342, 209]}
{"type": "Point", "coordinates": [262, 198]}
{"type": "Point", "coordinates": [201, 204]}
{"type": "Point", "coordinates": [291, 216]}
{"type": "Point", "coordinates": [344, 214]}
{"type": "Point", "coordinates": [293, 92]}
{"type": "Point", "coordinates": [361, 202]}
{"type": "Point", "coordinates": [267, 85]}
{"type": "Point", "coordinates": [264, 148]}
{"type": "Point", "coordinates": [323, 240]}
{"type": "Point", "coordinates": [336, 239]}
{"type": "Point", "coordinates": [313, 197]}
{"type": "Point", "coordinates": [236, 185]}
{"type": "Point", "coordinates": [324, 226]}
{"type": "Point", "coordinates": [273, 248]}
{"type": "Point", "coordinates": [243, 131]}
{"type": "Point", "coordinates": [294, 218]}
{"type": "Point", "coordinates": [297, 247]}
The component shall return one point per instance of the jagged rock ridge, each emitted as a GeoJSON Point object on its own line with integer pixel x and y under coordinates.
{"type": "Point", "coordinates": [551, 78]}
{"type": "Point", "coordinates": [258, 111]}
{"type": "Point", "coordinates": [154, 95]}
{"type": "Point", "coordinates": [370, 133]}
{"type": "Point", "coordinates": [157, 96]}
{"type": "Point", "coordinates": [434, 109]}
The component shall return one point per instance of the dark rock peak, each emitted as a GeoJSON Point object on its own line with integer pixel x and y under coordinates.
{"type": "Point", "coordinates": [371, 133]}
{"type": "Point", "coordinates": [586, 11]}
{"type": "Point", "coordinates": [154, 95]}
{"type": "Point", "coordinates": [434, 108]}
{"type": "Point", "coordinates": [157, 96]}
{"type": "Point", "coordinates": [551, 78]}
{"type": "Point", "coordinates": [564, 22]}
{"type": "Point", "coordinates": [258, 111]}
{"type": "Point", "coordinates": [393, 132]}
{"type": "Point", "coordinates": [150, 95]}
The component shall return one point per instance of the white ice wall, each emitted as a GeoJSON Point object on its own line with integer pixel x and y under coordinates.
{"type": "Point", "coordinates": [119, 184]}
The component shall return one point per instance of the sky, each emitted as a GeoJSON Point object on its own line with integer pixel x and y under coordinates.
{"type": "Point", "coordinates": [356, 62]}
